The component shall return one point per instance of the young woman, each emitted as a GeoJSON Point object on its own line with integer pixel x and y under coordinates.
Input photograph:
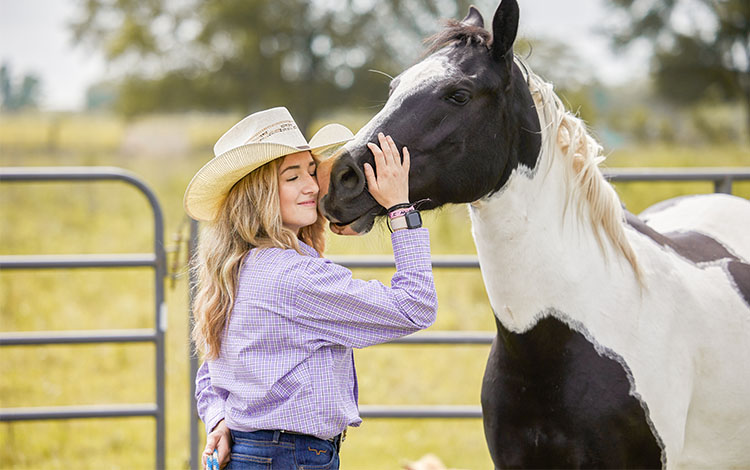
{"type": "Point", "coordinates": [276, 322]}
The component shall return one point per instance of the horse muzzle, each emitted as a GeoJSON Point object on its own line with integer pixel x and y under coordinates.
{"type": "Point", "coordinates": [343, 198]}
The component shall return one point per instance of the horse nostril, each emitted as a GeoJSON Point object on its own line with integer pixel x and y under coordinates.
{"type": "Point", "coordinates": [349, 178]}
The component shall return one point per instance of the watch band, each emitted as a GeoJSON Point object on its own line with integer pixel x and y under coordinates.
{"type": "Point", "coordinates": [411, 219]}
{"type": "Point", "coordinates": [400, 212]}
{"type": "Point", "coordinates": [398, 223]}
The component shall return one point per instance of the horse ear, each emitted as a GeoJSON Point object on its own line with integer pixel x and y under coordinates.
{"type": "Point", "coordinates": [473, 18]}
{"type": "Point", "coordinates": [504, 29]}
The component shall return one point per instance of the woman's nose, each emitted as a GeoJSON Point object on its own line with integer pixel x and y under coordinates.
{"type": "Point", "coordinates": [311, 185]}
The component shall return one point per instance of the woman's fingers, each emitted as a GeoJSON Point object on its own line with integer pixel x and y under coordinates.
{"type": "Point", "coordinates": [394, 151]}
{"type": "Point", "coordinates": [385, 146]}
{"type": "Point", "coordinates": [388, 178]}
{"type": "Point", "coordinates": [372, 182]}
{"type": "Point", "coordinates": [380, 159]}
{"type": "Point", "coordinates": [208, 451]}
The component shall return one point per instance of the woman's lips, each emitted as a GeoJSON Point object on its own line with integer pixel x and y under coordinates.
{"type": "Point", "coordinates": [311, 203]}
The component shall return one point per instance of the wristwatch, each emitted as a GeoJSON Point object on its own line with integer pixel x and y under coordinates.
{"type": "Point", "coordinates": [411, 219]}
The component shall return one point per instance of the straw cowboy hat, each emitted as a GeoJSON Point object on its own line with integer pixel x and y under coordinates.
{"type": "Point", "coordinates": [254, 141]}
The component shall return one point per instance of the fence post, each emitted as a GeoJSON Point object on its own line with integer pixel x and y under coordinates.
{"type": "Point", "coordinates": [195, 463]}
{"type": "Point", "coordinates": [723, 185]}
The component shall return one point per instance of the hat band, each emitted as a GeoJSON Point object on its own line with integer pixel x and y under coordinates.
{"type": "Point", "coordinates": [272, 129]}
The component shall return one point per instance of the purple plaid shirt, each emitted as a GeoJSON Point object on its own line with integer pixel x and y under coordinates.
{"type": "Point", "coordinates": [286, 358]}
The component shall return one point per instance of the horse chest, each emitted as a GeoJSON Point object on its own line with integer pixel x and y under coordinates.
{"type": "Point", "coordinates": [550, 400]}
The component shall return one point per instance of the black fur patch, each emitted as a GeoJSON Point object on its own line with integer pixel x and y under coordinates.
{"type": "Point", "coordinates": [551, 400]}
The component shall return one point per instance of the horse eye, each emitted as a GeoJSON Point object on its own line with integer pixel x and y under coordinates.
{"type": "Point", "coordinates": [459, 97]}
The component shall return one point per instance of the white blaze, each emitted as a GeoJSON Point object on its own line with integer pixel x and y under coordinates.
{"type": "Point", "coordinates": [424, 75]}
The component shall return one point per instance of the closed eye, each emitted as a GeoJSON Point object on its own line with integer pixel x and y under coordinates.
{"type": "Point", "coordinates": [459, 97]}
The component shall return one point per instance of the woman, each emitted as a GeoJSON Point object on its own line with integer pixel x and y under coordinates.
{"type": "Point", "coordinates": [276, 322]}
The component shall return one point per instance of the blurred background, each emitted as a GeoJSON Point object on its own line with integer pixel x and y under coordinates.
{"type": "Point", "coordinates": [150, 85]}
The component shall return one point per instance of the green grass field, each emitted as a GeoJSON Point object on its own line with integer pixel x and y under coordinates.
{"type": "Point", "coordinates": [47, 218]}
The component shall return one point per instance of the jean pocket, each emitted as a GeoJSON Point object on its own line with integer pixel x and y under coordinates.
{"type": "Point", "coordinates": [315, 454]}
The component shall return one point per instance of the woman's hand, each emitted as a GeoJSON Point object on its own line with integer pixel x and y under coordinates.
{"type": "Point", "coordinates": [391, 186]}
{"type": "Point", "coordinates": [219, 439]}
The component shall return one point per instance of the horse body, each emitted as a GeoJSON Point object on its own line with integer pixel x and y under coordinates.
{"type": "Point", "coordinates": [680, 363]}
{"type": "Point", "coordinates": [620, 344]}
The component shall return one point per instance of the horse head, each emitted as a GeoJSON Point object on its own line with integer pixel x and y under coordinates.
{"type": "Point", "coordinates": [464, 112]}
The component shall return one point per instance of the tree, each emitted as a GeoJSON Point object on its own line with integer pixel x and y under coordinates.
{"type": "Point", "coordinates": [17, 96]}
{"type": "Point", "coordinates": [311, 56]}
{"type": "Point", "coordinates": [701, 47]}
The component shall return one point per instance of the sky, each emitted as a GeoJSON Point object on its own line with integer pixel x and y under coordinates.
{"type": "Point", "coordinates": [35, 39]}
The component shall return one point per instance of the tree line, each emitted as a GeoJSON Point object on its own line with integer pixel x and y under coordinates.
{"type": "Point", "coordinates": [318, 56]}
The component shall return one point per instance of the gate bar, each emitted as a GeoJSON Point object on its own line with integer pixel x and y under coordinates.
{"type": "Point", "coordinates": [133, 260]}
{"type": "Point", "coordinates": [420, 411]}
{"type": "Point", "coordinates": [70, 412]}
{"type": "Point", "coordinates": [24, 338]}
{"type": "Point", "coordinates": [722, 177]}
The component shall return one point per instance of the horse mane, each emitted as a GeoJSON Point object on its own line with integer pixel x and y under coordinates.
{"type": "Point", "coordinates": [455, 31]}
{"type": "Point", "coordinates": [582, 154]}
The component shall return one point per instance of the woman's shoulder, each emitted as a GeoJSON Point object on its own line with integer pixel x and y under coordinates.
{"type": "Point", "coordinates": [272, 262]}
{"type": "Point", "coordinates": [269, 270]}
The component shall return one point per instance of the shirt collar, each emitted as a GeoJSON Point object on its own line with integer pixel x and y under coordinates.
{"type": "Point", "coordinates": [308, 250]}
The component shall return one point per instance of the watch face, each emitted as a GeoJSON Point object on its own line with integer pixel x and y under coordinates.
{"type": "Point", "coordinates": [413, 219]}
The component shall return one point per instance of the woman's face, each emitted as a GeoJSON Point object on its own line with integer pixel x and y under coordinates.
{"type": "Point", "coordinates": [298, 191]}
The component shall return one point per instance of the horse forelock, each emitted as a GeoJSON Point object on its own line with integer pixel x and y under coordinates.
{"type": "Point", "coordinates": [456, 32]}
{"type": "Point", "coordinates": [565, 136]}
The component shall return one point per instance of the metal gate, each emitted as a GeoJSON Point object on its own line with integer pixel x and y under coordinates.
{"type": "Point", "coordinates": [155, 260]}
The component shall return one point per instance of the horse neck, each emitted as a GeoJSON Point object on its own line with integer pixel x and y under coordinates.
{"type": "Point", "coordinates": [537, 244]}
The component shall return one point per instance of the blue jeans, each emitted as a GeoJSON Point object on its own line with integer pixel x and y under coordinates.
{"type": "Point", "coordinates": [276, 450]}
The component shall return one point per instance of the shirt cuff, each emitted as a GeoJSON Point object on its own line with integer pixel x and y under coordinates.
{"type": "Point", "coordinates": [213, 417]}
{"type": "Point", "coordinates": [411, 249]}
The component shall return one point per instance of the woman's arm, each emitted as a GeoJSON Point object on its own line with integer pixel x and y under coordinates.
{"type": "Point", "coordinates": [210, 401]}
{"type": "Point", "coordinates": [356, 313]}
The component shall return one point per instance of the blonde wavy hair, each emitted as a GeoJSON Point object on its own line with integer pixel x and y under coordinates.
{"type": "Point", "coordinates": [249, 217]}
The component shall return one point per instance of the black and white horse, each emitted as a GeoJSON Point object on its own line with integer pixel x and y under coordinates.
{"type": "Point", "coordinates": [621, 341]}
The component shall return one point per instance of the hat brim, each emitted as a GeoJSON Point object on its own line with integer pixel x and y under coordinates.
{"type": "Point", "coordinates": [211, 184]}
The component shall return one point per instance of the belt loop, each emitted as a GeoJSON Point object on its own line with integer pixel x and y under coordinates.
{"type": "Point", "coordinates": [337, 443]}
{"type": "Point", "coordinates": [276, 436]}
